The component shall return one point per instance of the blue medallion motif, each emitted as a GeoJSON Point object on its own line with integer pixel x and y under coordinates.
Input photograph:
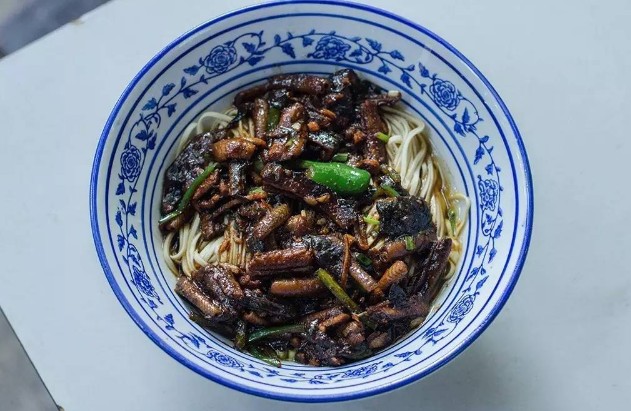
{"type": "Point", "coordinates": [488, 193]}
{"type": "Point", "coordinates": [130, 164]}
{"type": "Point", "coordinates": [220, 59]}
{"type": "Point", "coordinates": [461, 308]}
{"type": "Point", "coordinates": [223, 359]}
{"type": "Point", "coordinates": [330, 48]}
{"type": "Point", "coordinates": [364, 371]}
{"type": "Point", "coordinates": [445, 94]}
{"type": "Point", "coordinates": [141, 280]}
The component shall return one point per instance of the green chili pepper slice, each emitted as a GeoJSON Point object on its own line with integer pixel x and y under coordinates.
{"type": "Point", "coordinates": [241, 338]}
{"type": "Point", "coordinates": [409, 242]}
{"type": "Point", "coordinates": [272, 331]}
{"type": "Point", "coordinates": [336, 290]}
{"type": "Point", "coordinates": [269, 356]}
{"type": "Point", "coordinates": [340, 158]}
{"type": "Point", "coordinates": [363, 317]}
{"type": "Point", "coordinates": [363, 260]}
{"type": "Point", "coordinates": [273, 116]}
{"type": "Point", "coordinates": [256, 190]}
{"type": "Point", "coordinates": [451, 214]}
{"type": "Point", "coordinates": [186, 198]}
{"type": "Point", "coordinates": [258, 164]}
{"type": "Point", "coordinates": [389, 190]}
{"type": "Point", "coordinates": [339, 177]}
{"type": "Point", "coordinates": [383, 137]}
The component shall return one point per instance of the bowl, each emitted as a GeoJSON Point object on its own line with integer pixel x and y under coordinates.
{"type": "Point", "coordinates": [470, 128]}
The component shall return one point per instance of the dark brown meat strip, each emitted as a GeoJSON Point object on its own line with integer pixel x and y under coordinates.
{"type": "Point", "coordinates": [321, 349]}
{"type": "Point", "coordinates": [207, 203]}
{"type": "Point", "coordinates": [237, 177]}
{"type": "Point", "coordinates": [233, 149]}
{"type": "Point", "coordinates": [428, 279]}
{"type": "Point", "coordinates": [372, 124]}
{"type": "Point", "coordinates": [403, 215]}
{"type": "Point", "coordinates": [178, 221]}
{"type": "Point", "coordinates": [248, 282]}
{"type": "Point", "coordinates": [345, 79]}
{"type": "Point", "coordinates": [210, 228]}
{"type": "Point", "coordinates": [359, 229]}
{"type": "Point", "coordinates": [395, 273]}
{"type": "Point", "coordinates": [342, 98]}
{"type": "Point", "coordinates": [219, 280]}
{"type": "Point", "coordinates": [329, 253]}
{"type": "Point", "coordinates": [186, 167]}
{"type": "Point", "coordinates": [361, 277]}
{"type": "Point", "coordinates": [225, 275]}
{"type": "Point", "coordinates": [327, 142]}
{"type": "Point", "coordinates": [387, 99]}
{"type": "Point", "coordinates": [302, 83]}
{"type": "Point", "coordinates": [223, 329]}
{"type": "Point", "coordinates": [259, 114]}
{"type": "Point", "coordinates": [334, 321]}
{"type": "Point", "coordinates": [273, 219]}
{"type": "Point", "coordinates": [346, 261]}
{"type": "Point", "coordinates": [393, 250]}
{"type": "Point", "coordinates": [227, 206]}
{"type": "Point", "coordinates": [289, 141]}
{"type": "Point", "coordinates": [353, 333]}
{"type": "Point", "coordinates": [206, 185]}
{"type": "Point", "coordinates": [297, 287]}
{"type": "Point", "coordinates": [320, 316]}
{"type": "Point", "coordinates": [252, 211]}
{"type": "Point", "coordinates": [340, 210]}
{"type": "Point", "coordinates": [249, 94]}
{"type": "Point", "coordinates": [378, 340]}
{"type": "Point", "coordinates": [194, 294]}
{"type": "Point", "coordinates": [299, 225]}
{"type": "Point", "coordinates": [260, 303]}
{"type": "Point", "coordinates": [385, 312]}
{"type": "Point", "coordinates": [254, 318]}
{"type": "Point", "coordinates": [278, 261]}
{"type": "Point", "coordinates": [288, 116]}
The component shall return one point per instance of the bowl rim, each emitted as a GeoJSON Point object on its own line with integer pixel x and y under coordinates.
{"type": "Point", "coordinates": [355, 394]}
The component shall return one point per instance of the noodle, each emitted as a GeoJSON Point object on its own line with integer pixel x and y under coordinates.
{"type": "Point", "coordinates": [409, 153]}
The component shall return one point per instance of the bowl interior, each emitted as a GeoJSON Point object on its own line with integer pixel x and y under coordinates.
{"type": "Point", "coordinates": [470, 129]}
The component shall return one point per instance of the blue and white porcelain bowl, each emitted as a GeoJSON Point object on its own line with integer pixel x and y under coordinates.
{"type": "Point", "coordinates": [468, 123]}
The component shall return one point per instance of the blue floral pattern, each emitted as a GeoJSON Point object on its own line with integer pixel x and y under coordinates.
{"type": "Point", "coordinates": [461, 308]}
{"type": "Point", "coordinates": [220, 59]}
{"type": "Point", "coordinates": [445, 94]}
{"type": "Point", "coordinates": [130, 163]}
{"type": "Point", "coordinates": [488, 193]}
{"type": "Point", "coordinates": [362, 372]}
{"type": "Point", "coordinates": [330, 48]}
{"type": "Point", "coordinates": [223, 359]}
{"type": "Point", "coordinates": [251, 49]}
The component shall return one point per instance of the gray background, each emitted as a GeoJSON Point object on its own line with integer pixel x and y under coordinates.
{"type": "Point", "coordinates": [21, 22]}
{"type": "Point", "coordinates": [562, 340]}
{"type": "Point", "coordinates": [21, 389]}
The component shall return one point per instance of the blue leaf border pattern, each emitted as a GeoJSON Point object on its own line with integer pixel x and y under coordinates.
{"type": "Point", "coordinates": [250, 49]}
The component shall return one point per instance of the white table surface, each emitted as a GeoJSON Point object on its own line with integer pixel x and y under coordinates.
{"type": "Point", "coordinates": [563, 339]}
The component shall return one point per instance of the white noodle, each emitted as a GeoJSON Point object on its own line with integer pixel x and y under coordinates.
{"type": "Point", "coordinates": [410, 154]}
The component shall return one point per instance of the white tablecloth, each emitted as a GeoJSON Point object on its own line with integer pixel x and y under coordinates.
{"type": "Point", "coordinates": [561, 342]}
